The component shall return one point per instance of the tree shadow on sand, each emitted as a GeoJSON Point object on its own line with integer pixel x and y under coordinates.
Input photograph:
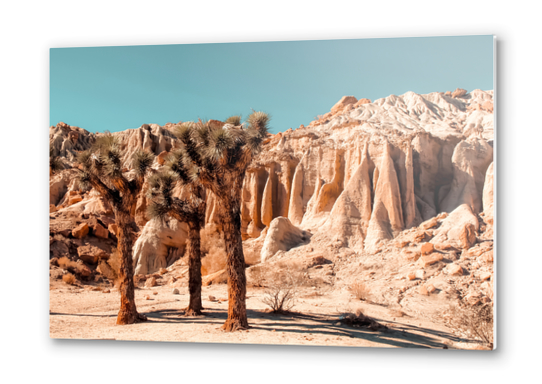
{"type": "Point", "coordinates": [397, 334]}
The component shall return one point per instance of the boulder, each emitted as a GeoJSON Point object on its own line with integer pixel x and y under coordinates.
{"type": "Point", "coordinates": [74, 199]}
{"type": "Point", "coordinates": [485, 276]}
{"type": "Point", "coordinates": [428, 260]}
{"type": "Point", "coordinates": [91, 254]}
{"type": "Point", "coordinates": [80, 231]}
{"type": "Point", "coordinates": [282, 235]}
{"type": "Point", "coordinates": [431, 223]}
{"type": "Point", "coordinates": [454, 269]}
{"type": "Point", "coordinates": [150, 282]}
{"type": "Point", "coordinates": [430, 288]}
{"type": "Point", "coordinates": [458, 230]}
{"type": "Point", "coordinates": [100, 231]}
{"type": "Point", "coordinates": [427, 248]}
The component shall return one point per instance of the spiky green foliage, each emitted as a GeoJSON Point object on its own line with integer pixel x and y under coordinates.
{"type": "Point", "coordinates": [142, 161]}
{"type": "Point", "coordinates": [234, 120]}
{"type": "Point", "coordinates": [211, 151]}
{"type": "Point", "coordinates": [101, 168]}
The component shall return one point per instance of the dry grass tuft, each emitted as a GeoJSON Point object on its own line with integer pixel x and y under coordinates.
{"type": "Point", "coordinates": [361, 291]}
{"type": "Point", "coordinates": [68, 278]}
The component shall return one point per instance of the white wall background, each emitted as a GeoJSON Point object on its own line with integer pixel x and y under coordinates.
{"type": "Point", "coordinates": [29, 29]}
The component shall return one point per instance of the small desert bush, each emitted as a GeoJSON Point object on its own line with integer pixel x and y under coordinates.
{"type": "Point", "coordinates": [70, 265]}
{"type": "Point", "coordinates": [357, 319]}
{"type": "Point", "coordinates": [213, 251]}
{"type": "Point", "coordinates": [360, 290]}
{"type": "Point", "coordinates": [282, 282]}
{"type": "Point", "coordinates": [68, 278]}
{"type": "Point", "coordinates": [475, 322]}
{"type": "Point", "coordinates": [66, 263]}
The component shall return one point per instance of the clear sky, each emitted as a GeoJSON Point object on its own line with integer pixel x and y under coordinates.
{"type": "Point", "coordinates": [115, 88]}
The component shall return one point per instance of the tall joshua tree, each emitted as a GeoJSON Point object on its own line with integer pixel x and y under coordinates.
{"type": "Point", "coordinates": [190, 211]}
{"type": "Point", "coordinates": [217, 156]}
{"type": "Point", "coordinates": [101, 168]}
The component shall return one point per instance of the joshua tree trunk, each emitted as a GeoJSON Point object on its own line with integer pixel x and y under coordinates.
{"type": "Point", "coordinates": [194, 269]}
{"type": "Point", "coordinates": [128, 313]}
{"type": "Point", "coordinates": [237, 281]}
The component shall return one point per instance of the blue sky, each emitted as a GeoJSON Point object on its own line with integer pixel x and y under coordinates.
{"type": "Point", "coordinates": [115, 88]}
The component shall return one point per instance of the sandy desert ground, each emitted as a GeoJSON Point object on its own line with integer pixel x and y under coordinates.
{"type": "Point", "coordinates": [81, 312]}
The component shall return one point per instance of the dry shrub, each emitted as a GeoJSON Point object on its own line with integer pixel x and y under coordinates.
{"type": "Point", "coordinates": [360, 290]}
{"type": "Point", "coordinates": [282, 282]}
{"type": "Point", "coordinates": [110, 269]}
{"type": "Point", "coordinates": [70, 265]}
{"type": "Point", "coordinates": [475, 322]}
{"type": "Point", "coordinates": [358, 319]}
{"type": "Point", "coordinates": [68, 278]}
{"type": "Point", "coordinates": [66, 263]}
{"type": "Point", "coordinates": [213, 251]}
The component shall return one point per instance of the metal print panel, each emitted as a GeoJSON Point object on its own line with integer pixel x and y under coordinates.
{"type": "Point", "coordinates": [330, 193]}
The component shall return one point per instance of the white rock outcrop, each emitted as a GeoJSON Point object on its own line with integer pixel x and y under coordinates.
{"type": "Point", "coordinates": [282, 235]}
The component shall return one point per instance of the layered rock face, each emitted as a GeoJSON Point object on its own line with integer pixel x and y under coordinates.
{"type": "Point", "coordinates": [357, 177]}
{"type": "Point", "coordinates": [366, 171]}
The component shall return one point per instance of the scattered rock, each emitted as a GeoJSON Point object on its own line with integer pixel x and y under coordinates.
{"type": "Point", "coordinates": [151, 282]}
{"type": "Point", "coordinates": [100, 231]}
{"type": "Point", "coordinates": [176, 291]}
{"type": "Point", "coordinates": [430, 288]}
{"type": "Point", "coordinates": [80, 231]}
{"type": "Point", "coordinates": [73, 200]}
{"type": "Point", "coordinates": [420, 274]}
{"type": "Point", "coordinates": [485, 276]}
{"type": "Point", "coordinates": [428, 260]}
{"type": "Point", "coordinates": [91, 254]}
{"type": "Point", "coordinates": [455, 269]}
{"type": "Point", "coordinates": [427, 248]}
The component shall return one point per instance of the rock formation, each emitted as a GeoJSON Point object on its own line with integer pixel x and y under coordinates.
{"type": "Point", "coordinates": [357, 177]}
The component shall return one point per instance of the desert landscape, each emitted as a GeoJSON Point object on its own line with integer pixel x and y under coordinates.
{"type": "Point", "coordinates": [372, 226]}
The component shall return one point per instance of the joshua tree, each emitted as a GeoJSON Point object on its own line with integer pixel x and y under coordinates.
{"type": "Point", "coordinates": [101, 168]}
{"type": "Point", "coordinates": [217, 155]}
{"type": "Point", "coordinates": [190, 211]}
